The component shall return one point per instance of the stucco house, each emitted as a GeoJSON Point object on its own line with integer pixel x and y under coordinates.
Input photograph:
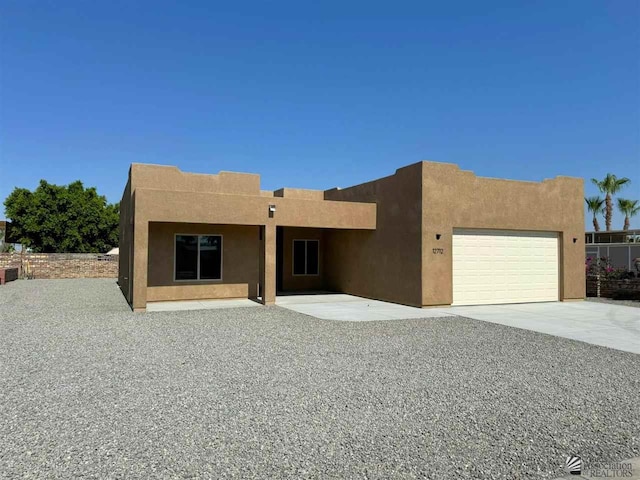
{"type": "Point", "coordinates": [430, 234]}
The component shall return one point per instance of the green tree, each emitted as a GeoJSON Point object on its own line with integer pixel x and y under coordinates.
{"type": "Point", "coordinates": [628, 208]}
{"type": "Point", "coordinates": [595, 205]}
{"type": "Point", "coordinates": [56, 218]}
{"type": "Point", "coordinates": [610, 185]}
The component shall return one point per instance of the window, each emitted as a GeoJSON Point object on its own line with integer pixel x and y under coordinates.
{"type": "Point", "coordinates": [306, 257]}
{"type": "Point", "coordinates": [198, 257]}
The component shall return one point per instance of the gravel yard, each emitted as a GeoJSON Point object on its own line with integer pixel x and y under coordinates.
{"type": "Point", "coordinates": [89, 389]}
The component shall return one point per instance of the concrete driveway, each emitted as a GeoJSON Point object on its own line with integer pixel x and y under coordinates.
{"type": "Point", "coordinates": [608, 325]}
{"type": "Point", "coordinates": [613, 326]}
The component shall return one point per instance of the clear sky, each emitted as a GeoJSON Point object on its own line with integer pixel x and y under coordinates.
{"type": "Point", "coordinates": [318, 94]}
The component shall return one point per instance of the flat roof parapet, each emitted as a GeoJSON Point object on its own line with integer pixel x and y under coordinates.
{"type": "Point", "coordinates": [171, 178]}
{"type": "Point", "coordinates": [299, 193]}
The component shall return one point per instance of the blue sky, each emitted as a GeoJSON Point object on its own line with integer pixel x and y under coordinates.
{"type": "Point", "coordinates": [318, 94]}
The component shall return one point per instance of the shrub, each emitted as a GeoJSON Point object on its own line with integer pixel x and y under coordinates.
{"type": "Point", "coordinates": [602, 267]}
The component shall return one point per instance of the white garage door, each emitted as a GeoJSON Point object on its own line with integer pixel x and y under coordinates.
{"type": "Point", "coordinates": [496, 266]}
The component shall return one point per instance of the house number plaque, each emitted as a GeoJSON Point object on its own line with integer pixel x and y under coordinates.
{"type": "Point", "coordinates": [438, 251]}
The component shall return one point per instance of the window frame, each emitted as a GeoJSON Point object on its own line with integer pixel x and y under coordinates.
{"type": "Point", "coordinates": [306, 243]}
{"type": "Point", "coordinates": [198, 235]}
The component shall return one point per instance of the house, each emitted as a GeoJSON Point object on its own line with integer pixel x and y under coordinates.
{"type": "Point", "coordinates": [430, 234]}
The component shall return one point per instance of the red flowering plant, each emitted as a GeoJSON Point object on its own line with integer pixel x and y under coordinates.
{"type": "Point", "coordinates": [602, 267]}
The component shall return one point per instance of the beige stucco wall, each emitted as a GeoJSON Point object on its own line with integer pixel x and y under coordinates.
{"type": "Point", "coordinates": [195, 207]}
{"type": "Point", "coordinates": [240, 274]}
{"type": "Point", "coordinates": [291, 282]}
{"type": "Point", "coordinates": [125, 244]}
{"type": "Point", "coordinates": [454, 198]}
{"type": "Point", "coordinates": [385, 263]}
{"type": "Point", "coordinates": [170, 178]}
{"type": "Point", "coordinates": [300, 193]}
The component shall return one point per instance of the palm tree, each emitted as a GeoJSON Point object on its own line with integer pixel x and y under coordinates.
{"type": "Point", "coordinates": [595, 205]}
{"type": "Point", "coordinates": [610, 185]}
{"type": "Point", "coordinates": [629, 208]}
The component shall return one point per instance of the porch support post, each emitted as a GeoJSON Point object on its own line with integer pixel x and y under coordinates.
{"type": "Point", "coordinates": [268, 263]}
{"type": "Point", "coordinates": [140, 255]}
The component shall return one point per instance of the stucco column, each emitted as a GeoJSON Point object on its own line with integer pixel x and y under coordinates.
{"type": "Point", "coordinates": [268, 264]}
{"type": "Point", "coordinates": [572, 280]}
{"type": "Point", "coordinates": [140, 257]}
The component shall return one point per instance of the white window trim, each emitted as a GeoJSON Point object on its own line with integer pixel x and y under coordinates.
{"type": "Point", "coordinates": [305, 240]}
{"type": "Point", "coordinates": [204, 280]}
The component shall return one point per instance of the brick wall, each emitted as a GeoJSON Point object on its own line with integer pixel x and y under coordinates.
{"type": "Point", "coordinates": [62, 265]}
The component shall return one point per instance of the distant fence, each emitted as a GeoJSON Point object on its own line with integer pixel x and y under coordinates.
{"type": "Point", "coordinates": [620, 256]}
{"type": "Point", "coordinates": [61, 265]}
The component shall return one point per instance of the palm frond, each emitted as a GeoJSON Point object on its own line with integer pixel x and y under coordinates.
{"type": "Point", "coordinates": [628, 207]}
{"type": "Point", "coordinates": [598, 184]}
{"type": "Point", "coordinates": [610, 184]}
{"type": "Point", "coordinates": [595, 204]}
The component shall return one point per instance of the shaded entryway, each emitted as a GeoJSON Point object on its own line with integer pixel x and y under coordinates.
{"type": "Point", "coordinates": [302, 260]}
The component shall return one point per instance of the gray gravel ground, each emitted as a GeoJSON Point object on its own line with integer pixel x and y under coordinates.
{"type": "Point", "coordinates": [91, 390]}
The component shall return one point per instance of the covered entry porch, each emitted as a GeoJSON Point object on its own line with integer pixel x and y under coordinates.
{"type": "Point", "coordinates": [228, 247]}
{"type": "Point", "coordinates": [303, 261]}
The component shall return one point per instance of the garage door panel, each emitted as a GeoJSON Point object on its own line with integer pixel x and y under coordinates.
{"type": "Point", "coordinates": [492, 266]}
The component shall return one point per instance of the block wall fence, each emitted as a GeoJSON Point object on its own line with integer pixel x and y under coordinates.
{"type": "Point", "coordinates": [61, 265]}
{"type": "Point", "coordinates": [606, 288]}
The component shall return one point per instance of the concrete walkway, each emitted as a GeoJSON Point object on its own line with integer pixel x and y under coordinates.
{"type": "Point", "coordinates": [200, 305]}
{"type": "Point", "coordinates": [608, 325]}
{"type": "Point", "coordinates": [338, 306]}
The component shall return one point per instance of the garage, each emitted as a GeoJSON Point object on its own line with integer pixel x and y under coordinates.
{"type": "Point", "coordinates": [504, 266]}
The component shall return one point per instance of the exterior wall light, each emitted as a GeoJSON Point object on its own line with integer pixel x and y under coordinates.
{"type": "Point", "coordinates": [438, 236]}
{"type": "Point", "coordinates": [272, 208]}
{"type": "Point", "coordinates": [575, 239]}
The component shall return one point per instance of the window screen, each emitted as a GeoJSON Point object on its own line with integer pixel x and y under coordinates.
{"type": "Point", "coordinates": [312, 257]}
{"type": "Point", "coordinates": [198, 257]}
{"type": "Point", "coordinates": [186, 257]}
{"type": "Point", "coordinates": [306, 257]}
{"type": "Point", "coordinates": [299, 254]}
{"type": "Point", "coordinates": [210, 257]}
